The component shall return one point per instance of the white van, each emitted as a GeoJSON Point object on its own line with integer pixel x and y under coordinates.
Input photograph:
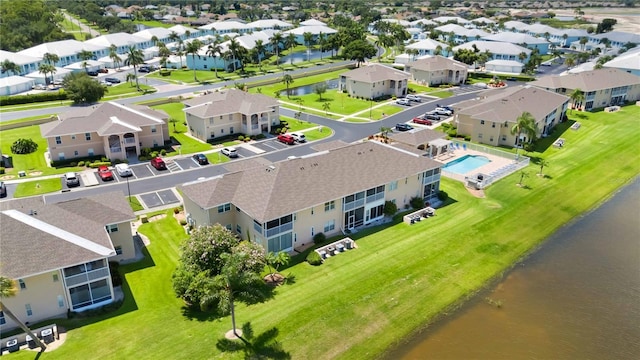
{"type": "Point", "coordinates": [298, 137]}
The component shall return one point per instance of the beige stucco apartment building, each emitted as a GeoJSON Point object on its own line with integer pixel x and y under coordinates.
{"type": "Point", "coordinates": [488, 119]}
{"type": "Point", "coordinates": [283, 205]}
{"type": "Point", "coordinates": [109, 129]}
{"type": "Point", "coordinates": [231, 111]}
{"type": "Point", "coordinates": [374, 81]}
{"type": "Point", "coordinates": [437, 70]}
{"type": "Point", "coordinates": [58, 254]}
{"type": "Point", "coordinates": [601, 87]}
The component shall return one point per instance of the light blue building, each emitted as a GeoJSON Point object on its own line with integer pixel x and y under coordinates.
{"type": "Point", "coordinates": [521, 39]}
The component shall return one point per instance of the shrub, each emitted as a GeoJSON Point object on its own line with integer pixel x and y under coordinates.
{"type": "Point", "coordinates": [1, 170]}
{"type": "Point", "coordinates": [163, 152]}
{"type": "Point", "coordinates": [97, 164]}
{"type": "Point", "coordinates": [417, 202]}
{"type": "Point", "coordinates": [240, 138]}
{"type": "Point", "coordinates": [143, 158]}
{"type": "Point", "coordinates": [259, 136]}
{"type": "Point", "coordinates": [80, 163]}
{"type": "Point", "coordinates": [33, 98]}
{"type": "Point", "coordinates": [319, 238]}
{"type": "Point", "coordinates": [73, 164]}
{"type": "Point", "coordinates": [103, 159]}
{"type": "Point", "coordinates": [145, 151]}
{"type": "Point", "coordinates": [314, 258]}
{"type": "Point", "coordinates": [24, 146]}
{"type": "Point", "coordinates": [389, 208]}
{"type": "Point", "coordinates": [183, 222]}
{"type": "Point", "coordinates": [176, 210]}
{"type": "Point", "coordinates": [442, 195]}
{"type": "Point", "coordinates": [165, 73]}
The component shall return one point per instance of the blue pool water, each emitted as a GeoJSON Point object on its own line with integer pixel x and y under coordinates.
{"type": "Point", "coordinates": [466, 164]}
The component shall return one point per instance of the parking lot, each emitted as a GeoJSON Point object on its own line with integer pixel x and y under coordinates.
{"type": "Point", "coordinates": [159, 198]}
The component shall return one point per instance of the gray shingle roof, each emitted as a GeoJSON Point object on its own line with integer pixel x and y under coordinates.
{"type": "Point", "coordinates": [589, 80]}
{"type": "Point", "coordinates": [105, 119]}
{"type": "Point", "coordinates": [229, 102]}
{"type": "Point", "coordinates": [285, 187]}
{"type": "Point", "coordinates": [376, 73]}
{"type": "Point", "coordinates": [436, 63]}
{"type": "Point", "coordinates": [416, 137]}
{"type": "Point", "coordinates": [27, 249]}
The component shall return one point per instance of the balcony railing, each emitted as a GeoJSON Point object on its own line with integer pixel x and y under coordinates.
{"type": "Point", "coordinates": [129, 140]}
{"type": "Point", "coordinates": [87, 276]}
{"type": "Point", "coordinates": [279, 229]}
{"type": "Point", "coordinates": [115, 150]}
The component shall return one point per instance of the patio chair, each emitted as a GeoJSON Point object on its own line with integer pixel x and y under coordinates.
{"type": "Point", "coordinates": [457, 146]}
{"type": "Point", "coordinates": [464, 146]}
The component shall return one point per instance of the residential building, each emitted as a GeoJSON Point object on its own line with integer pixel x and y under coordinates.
{"type": "Point", "coordinates": [11, 85]}
{"type": "Point", "coordinates": [504, 66]}
{"type": "Point", "coordinates": [489, 118]}
{"type": "Point", "coordinates": [58, 253]}
{"type": "Point", "coordinates": [232, 111]}
{"type": "Point", "coordinates": [451, 19]}
{"type": "Point", "coordinates": [26, 63]}
{"type": "Point", "coordinates": [375, 81]}
{"type": "Point", "coordinates": [315, 30]}
{"type": "Point", "coordinates": [602, 87]}
{"type": "Point", "coordinates": [269, 24]}
{"type": "Point", "coordinates": [515, 26]}
{"type": "Point", "coordinates": [428, 47]}
{"type": "Point", "coordinates": [312, 22]}
{"type": "Point", "coordinates": [344, 188]}
{"type": "Point", "coordinates": [521, 39]}
{"type": "Point", "coordinates": [109, 129]}
{"type": "Point", "coordinates": [615, 39]}
{"type": "Point", "coordinates": [437, 70]}
{"type": "Point", "coordinates": [66, 50]}
{"type": "Point", "coordinates": [122, 41]}
{"type": "Point", "coordinates": [497, 50]}
{"type": "Point", "coordinates": [628, 61]}
{"type": "Point", "coordinates": [460, 34]}
{"type": "Point", "coordinates": [227, 27]}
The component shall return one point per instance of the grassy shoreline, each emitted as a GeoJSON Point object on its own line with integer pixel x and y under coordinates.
{"type": "Point", "coordinates": [400, 279]}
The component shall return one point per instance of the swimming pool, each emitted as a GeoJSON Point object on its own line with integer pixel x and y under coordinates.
{"type": "Point", "coordinates": [466, 164]}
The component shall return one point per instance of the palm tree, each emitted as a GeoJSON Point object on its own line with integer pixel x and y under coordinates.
{"type": "Point", "coordinates": [275, 260]}
{"type": "Point", "coordinates": [290, 43]}
{"type": "Point", "coordinates": [379, 43]}
{"type": "Point", "coordinates": [8, 65]}
{"type": "Point", "coordinates": [583, 42]}
{"type": "Point", "coordinates": [577, 97]}
{"type": "Point", "coordinates": [234, 48]}
{"type": "Point", "coordinates": [113, 55]}
{"type": "Point", "coordinates": [192, 48]}
{"type": "Point", "coordinates": [276, 40]}
{"type": "Point", "coordinates": [135, 58]}
{"type": "Point", "coordinates": [155, 40]}
{"type": "Point", "coordinates": [50, 58]}
{"type": "Point", "coordinates": [85, 55]}
{"type": "Point", "coordinates": [259, 48]}
{"type": "Point", "coordinates": [322, 41]}
{"type": "Point", "coordinates": [438, 50]}
{"type": "Point", "coordinates": [47, 69]}
{"type": "Point", "coordinates": [525, 124]}
{"type": "Point", "coordinates": [174, 37]}
{"type": "Point", "coordinates": [287, 80]}
{"type": "Point", "coordinates": [8, 289]}
{"type": "Point", "coordinates": [214, 50]}
{"type": "Point", "coordinates": [326, 107]}
{"type": "Point", "coordinates": [164, 53]}
{"type": "Point", "coordinates": [570, 61]}
{"type": "Point", "coordinates": [308, 41]}
{"type": "Point", "coordinates": [523, 175]}
{"type": "Point", "coordinates": [542, 164]}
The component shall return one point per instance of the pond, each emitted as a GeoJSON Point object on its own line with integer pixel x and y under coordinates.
{"type": "Point", "coordinates": [302, 56]}
{"type": "Point", "coordinates": [308, 89]}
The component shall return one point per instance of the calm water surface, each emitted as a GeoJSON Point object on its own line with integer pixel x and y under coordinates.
{"type": "Point", "coordinates": [576, 298]}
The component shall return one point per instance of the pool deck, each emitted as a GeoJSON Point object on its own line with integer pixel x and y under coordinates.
{"type": "Point", "coordinates": [496, 163]}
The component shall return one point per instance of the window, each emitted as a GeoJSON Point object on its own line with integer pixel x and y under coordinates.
{"type": "Point", "coordinates": [60, 301]}
{"type": "Point", "coordinates": [112, 228]}
{"type": "Point", "coordinates": [87, 136]}
{"type": "Point", "coordinates": [504, 137]}
{"type": "Point", "coordinates": [229, 227]}
{"type": "Point", "coordinates": [28, 308]}
{"type": "Point", "coordinates": [230, 117]}
{"type": "Point", "coordinates": [393, 185]}
{"type": "Point", "coordinates": [238, 209]}
{"type": "Point", "coordinates": [90, 151]}
{"type": "Point", "coordinates": [75, 153]}
{"type": "Point", "coordinates": [239, 229]}
{"type": "Point", "coordinates": [224, 208]}
{"type": "Point", "coordinates": [231, 130]}
{"type": "Point", "coordinates": [479, 136]}
{"type": "Point", "coordinates": [328, 206]}
{"type": "Point", "coordinates": [73, 137]}
{"type": "Point", "coordinates": [211, 121]}
{"type": "Point", "coordinates": [493, 125]}
{"type": "Point", "coordinates": [2, 320]}
{"type": "Point", "coordinates": [118, 250]}
{"type": "Point", "coordinates": [221, 131]}
{"type": "Point", "coordinates": [58, 140]}
{"type": "Point", "coordinates": [491, 139]}
{"type": "Point", "coordinates": [329, 226]}
{"type": "Point", "coordinates": [153, 128]}
{"type": "Point", "coordinates": [23, 286]}
{"type": "Point", "coordinates": [312, 232]}
{"type": "Point", "coordinates": [311, 211]}
{"type": "Point", "coordinates": [55, 277]}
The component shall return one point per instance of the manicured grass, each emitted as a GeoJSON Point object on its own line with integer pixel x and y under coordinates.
{"type": "Point", "coordinates": [38, 187]}
{"type": "Point", "coordinates": [399, 278]}
{"type": "Point", "coordinates": [317, 134]}
{"type": "Point", "coordinates": [17, 121]}
{"type": "Point", "coordinates": [178, 130]}
{"type": "Point", "coordinates": [217, 157]}
{"type": "Point", "coordinates": [300, 81]}
{"type": "Point", "coordinates": [297, 125]}
{"type": "Point", "coordinates": [154, 23]}
{"type": "Point", "coordinates": [442, 94]}
{"type": "Point", "coordinates": [339, 102]}
{"type": "Point", "coordinates": [135, 204]}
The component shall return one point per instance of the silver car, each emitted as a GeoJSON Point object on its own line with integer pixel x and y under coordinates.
{"type": "Point", "coordinates": [123, 170]}
{"type": "Point", "coordinates": [71, 179]}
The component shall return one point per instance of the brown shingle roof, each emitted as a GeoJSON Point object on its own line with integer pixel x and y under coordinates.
{"type": "Point", "coordinates": [599, 79]}
{"type": "Point", "coordinates": [376, 73]}
{"type": "Point", "coordinates": [436, 63]}
{"type": "Point", "coordinates": [416, 137]}
{"type": "Point", "coordinates": [105, 119]}
{"type": "Point", "coordinates": [285, 187]}
{"type": "Point", "coordinates": [508, 104]}
{"type": "Point", "coordinates": [26, 249]}
{"type": "Point", "coordinates": [229, 102]}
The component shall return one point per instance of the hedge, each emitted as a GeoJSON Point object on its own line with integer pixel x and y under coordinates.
{"type": "Point", "coordinates": [87, 160]}
{"type": "Point", "coordinates": [33, 98]}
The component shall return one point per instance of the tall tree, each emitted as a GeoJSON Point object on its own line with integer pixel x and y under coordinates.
{"type": "Point", "coordinates": [215, 50]}
{"type": "Point", "coordinates": [308, 42]}
{"type": "Point", "coordinates": [287, 80]}
{"type": "Point", "coordinates": [259, 48]}
{"type": "Point", "coordinates": [577, 97]}
{"type": "Point", "coordinates": [525, 124]}
{"type": "Point", "coordinates": [234, 48]}
{"type": "Point", "coordinates": [192, 48]}
{"type": "Point", "coordinates": [47, 69]}
{"type": "Point", "coordinates": [82, 89]}
{"type": "Point", "coordinates": [8, 289]}
{"type": "Point", "coordinates": [276, 40]}
{"type": "Point", "coordinates": [135, 58]}
{"type": "Point", "coordinates": [359, 50]}
{"type": "Point", "coordinates": [322, 41]}
{"type": "Point", "coordinates": [113, 55]}
{"type": "Point", "coordinates": [290, 43]}
{"type": "Point", "coordinates": [9, 66]}
{"type": "Point", "coordinates": [85, 55]}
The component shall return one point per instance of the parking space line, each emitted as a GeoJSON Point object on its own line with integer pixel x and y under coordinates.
{"type": "Point", "coordinates": [267, 145]}
{"type": "Point", "coordinates": [133, 173]}
{"type": "Point", "coordinates": [149, 167]}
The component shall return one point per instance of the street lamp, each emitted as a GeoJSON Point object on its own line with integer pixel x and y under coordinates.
{"type": "Point", "coordinates": [370, 106]}
{"type": "Point", "coordinates": [128, 189]}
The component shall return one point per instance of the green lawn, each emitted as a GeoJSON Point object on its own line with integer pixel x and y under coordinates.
{"type": "Point", "coordinates": [399, 278]}
{"type": "Point", "coordinates": [135, 204]}
{"type": "Point", "coordinates": [188, 144]}
{"type": "Point", "coordinates": [38, 187]}
{"type": "Point", "coordinates": [442, 94]}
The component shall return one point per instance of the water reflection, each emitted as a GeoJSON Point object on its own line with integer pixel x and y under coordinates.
{"type": "Point", "coordinates": [302, 56]}
{"type": "Point", "coordinates": [576, 298]}
{"type": "Point", "coordinates": [308, 89]}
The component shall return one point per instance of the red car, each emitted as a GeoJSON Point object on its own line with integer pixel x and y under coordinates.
{"type": "Point", "coordinates": [104, 173]}
{"type": "Point", "coordinates": [419, 120]}
{"type": "Point", "coordinates": [158, 163]}
{"type": "Point", "coordinates": [287, 139]}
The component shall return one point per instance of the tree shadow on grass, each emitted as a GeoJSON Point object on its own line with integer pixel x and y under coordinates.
{"type": "Point", "coordinates": [193, 313]}
{"type": "Point", "coordinates": [542, 144]}
{"type": "Point", "coordinates": [262, 346]}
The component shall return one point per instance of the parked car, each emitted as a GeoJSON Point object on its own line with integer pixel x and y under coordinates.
{"type": "Point", "coordinates": [71, 179]}
{"type": "Point", "coordinates": [3, 189]}
{"type": "Point", "coordinates": [431, 116]}
{"type": "Point", "coordinates": [442, 111]}
{"type": "Point", "coordinates": [112, 80]}
{"type": "Point", "coordinates": [103, 71]}
{"type": "Point", "coordinates": [287, 139]}
{"type": "Point", "coordinates": [422, 121]}
{"type": "Point", "coordinates": [158, 163]}
{"type": "Point", "coordinates": [415, 98]}
{"type": "Point", "coordinates": [403, 101]}
{"type": "Point", "coordinates": [403, 127]}
{"type": "Point", "coordinates": [39, 87]}
{"type": "Point", "coordinates": [299, 137]}
{"type": "Point", "coordinates": [92, 73]}
{"type": "Point", "coordinates": [104, 173]}
{"type": "Point", "coordinates": [144, 69]}
{"type": "Point", "coordinates": [123, 170]}
{"type": "Point", "coordinates": [201, 159]}
{"type": "Point", "coordinates": [445, 107]}
{"type": "Point", "coordinates": [105, 83]}
{"type": "Point", "coordinates": [230, 152]}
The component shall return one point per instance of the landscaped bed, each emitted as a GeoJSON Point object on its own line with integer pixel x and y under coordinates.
{"type": "Point", "coordinates": [362, 302]}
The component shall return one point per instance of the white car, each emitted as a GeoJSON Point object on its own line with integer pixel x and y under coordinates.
{"type": "Point", "coordinates": [403, 101]}
{"type": "Point", "coordinates": [123, 170]}
{"type": "Point", "coordinates": [442, 111]}
{"type": "Point", "coordinates": [230, 152]}
{"type": "Point", "coordinates": [299, 137]}
{"type": "Point", "coordinates": [415, 98]}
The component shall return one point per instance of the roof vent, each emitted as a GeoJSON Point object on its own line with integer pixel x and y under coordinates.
{"type": "Point", "coordinates": [270, 168]}
{"type": "Point", "coordinates": [33, 212]}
